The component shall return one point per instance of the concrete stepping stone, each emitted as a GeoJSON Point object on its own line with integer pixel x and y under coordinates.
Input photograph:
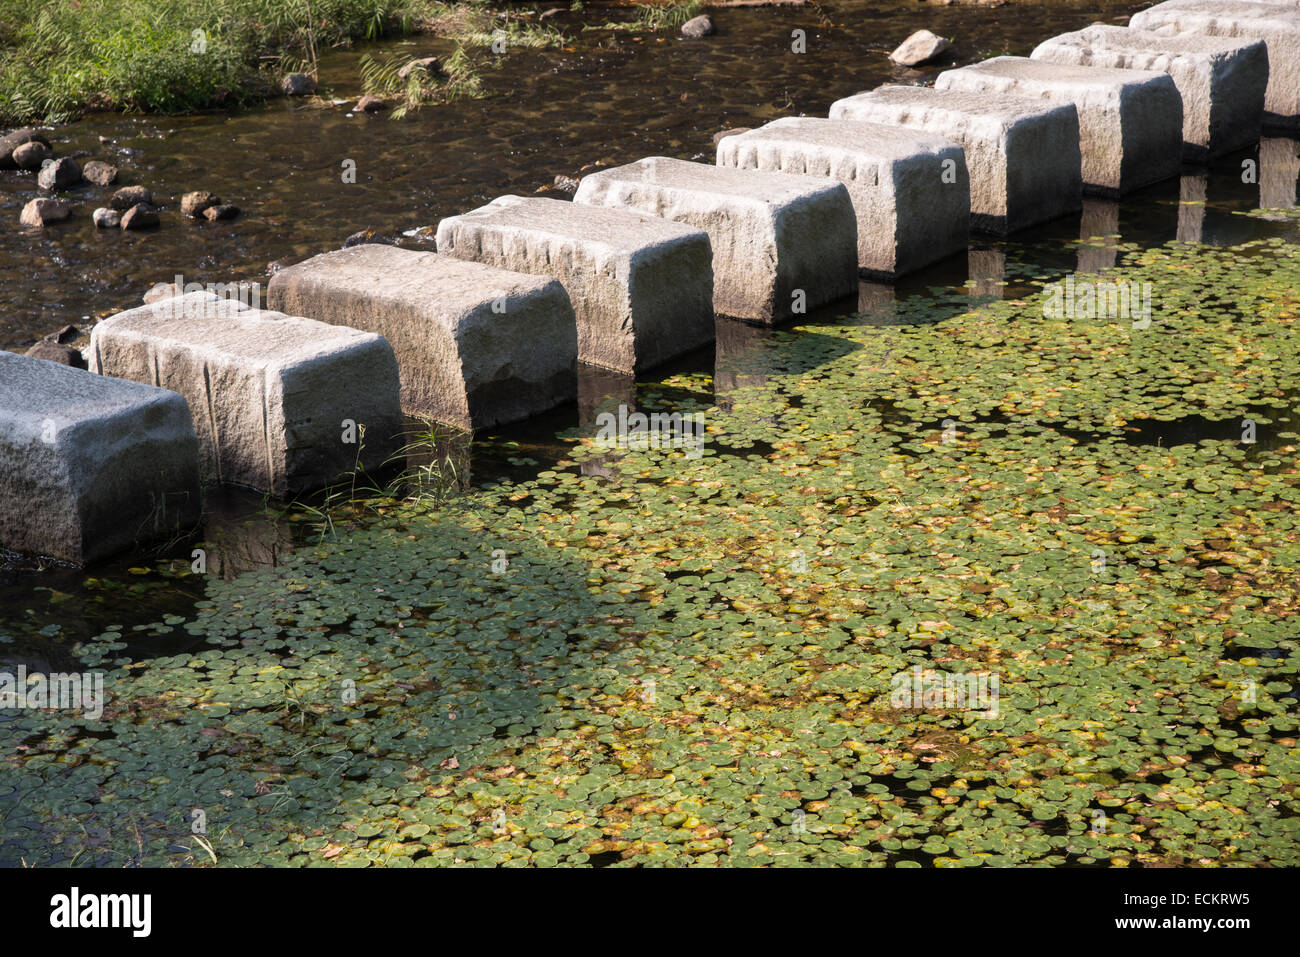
{"type": "Point", "coordinates": [91, 466]}
{"type": "Point", "coordinates": [909, 189]}
{"type": "Point", "coordinates": [641, 287]}
{"type": "Point", "coordinates": [1277, 24]}
{"type": "Point", "coordinates": [1022, 153]}
{"type": "Point", "coordinates": [1130, 121]}
{"type": "Point", "coordinates": [1221, 80]}
{"type": "Point", "coordinates": [476, 346]}
{"type": "Point", "coordinates": [281, 404]}
{"type": "Point", "coordinates": [781, 244]}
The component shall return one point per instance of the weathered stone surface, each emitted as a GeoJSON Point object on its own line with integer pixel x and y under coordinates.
{"type": "Point", "coordinates": [90, 466]}
{"type": "Point", "coordinates": [31, 156]}
{"type": "Point", "coordinates": [909, 189]}
{"type": "Point", "coordinates": [921, 47]}
{"type": "Point", "coordinates": [1277, 24]}
{"type": "Point", "coordinates": [272, 396]}
{"type": "Point", "coordinates": [780, 242]}
{"type": "Point", "coordinates": [476, 346]}
{"type": "Point", "coordinates": [11, 141]}
{"type": "Point", "coordinates": [139, 216]}
{"type": "Point", "coordinates": [298, 84]}
{"type": "Point", "coordinates": [1130, 121]}
{"type": "Point", "coordinates": [106, 218]}
{"type": "Point", "coordinates": [193, 204]}
{"type": "Point", "coordinates": [59, 174]}
{"type": "Point", "coordinates": [42, 212]}
{"type": "Point", "coordinates": [641, 287]}
{"type": "Point", "coordinates": [58, 352]}
{"type": "Point", "coordinates": [99, 173]}
{"type": "Point", "coordinates": [1221, 80]}
{"type": "Point", "coordinates": [1022, 154]}
{"type": "Point", "coordinates": [129, 196]}
{"type": "Point", "coordinates": [701, 26]}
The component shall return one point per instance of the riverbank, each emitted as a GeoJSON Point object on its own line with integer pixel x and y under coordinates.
{"type": "Point", "coordinates": [59, 61]}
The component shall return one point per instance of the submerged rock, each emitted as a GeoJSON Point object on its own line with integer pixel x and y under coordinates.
{"type": "Point", "coordinates": [11, 142]}
{"type": "Point", "coordinates": [129, 196]}
{"type": "Point", "coordinates": [42, 212]}
{"type": "Point", "coordinates": [221, 212]}
{"type": "Point", "coordinates": [701, 26]}
{"type": "Point", "coordinates": [106, 218]}
{"type": "Point", "coordinates": [140, 216]}
{"type": "Point", "coordinates": [99, 173]}
{"type": "Point", "coordinates": [59, 174]}
{"type": "Point", "coordinates": [194, 204]}
{"type": "Point", "coordinates": [52, 351]}
{"type": "Point", "coordinates": [31, 156]}
{"type": "Point", "coordinates": [921, 47]}
{"type": "Point", "coordinates": [369, 104]}
{"type": "Point", "coordinates": [368, 236]}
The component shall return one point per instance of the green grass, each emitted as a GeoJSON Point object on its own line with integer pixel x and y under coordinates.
{"type": "Point", "coordinates": [654, 17]}
{"type": "Point", "coordinates": [59, 59]}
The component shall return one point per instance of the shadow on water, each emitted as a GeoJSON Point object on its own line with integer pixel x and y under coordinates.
{"type": "Point", "coordinates": [453, 661]}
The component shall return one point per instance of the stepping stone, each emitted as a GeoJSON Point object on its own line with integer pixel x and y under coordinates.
{"type": "Point", "coordinates": [1277, 24]}
{"type": "Point", "coordinates": [475, 345]}
{"type": "Point", "coordinates": [909, 189]}
{"type": "Point", "coordinates": [1221, 80]}
{"type": "Point", "coordinates": [280, 403]}
{"type": "Point", "coordinates": [91, 466]}
{"type": "Point", "coordinates": [641, 287]}
{"type": "Point", "coordinates": [781, 244]}
{"type": "Point", "coordinates": [1130, 121]}
{"type": "Point", "coordinates": [1022, 153]}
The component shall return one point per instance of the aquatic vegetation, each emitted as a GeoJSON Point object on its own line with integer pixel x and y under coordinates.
{"type": "Point", "coordinates": [457, 79]}
{"type": "Point", "coordinates": [636, 657]}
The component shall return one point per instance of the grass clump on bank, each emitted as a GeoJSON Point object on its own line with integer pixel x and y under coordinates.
{"type": "Point", "coordinates": [655, 17]}
{"type": "Point", "coordinates": [60, 59]}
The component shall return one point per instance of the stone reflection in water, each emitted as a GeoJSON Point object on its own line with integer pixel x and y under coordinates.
{"type": "Point", "coordinates": [602, 390]}
{"type": "Point", "coordinates": [1279, 172]}
{"type": "Point", "coordinates": [736, 363]}
{"type": "Point", "coordinates": [1099, 233]}
{"type": "Point", "coordinates": [1191, 207]}
{"type": "Point", "coordinates": [987, 269]}
{"type": "Point", "coordinates": [876, 299]}
{"type": "Point", "coordinates": [239, 534]}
